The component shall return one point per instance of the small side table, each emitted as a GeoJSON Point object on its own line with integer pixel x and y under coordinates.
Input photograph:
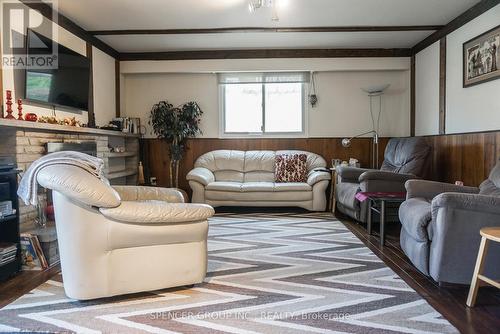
{"type": "Point", "coordinates": [333, 184]}
{"type": "Point", "coordinates": [377, 203]}
{"type": "Point", "coordinates": [487, 234]}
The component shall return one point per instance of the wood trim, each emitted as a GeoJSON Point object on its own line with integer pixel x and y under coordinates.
{"type": "Point", "coordinates": [442, 86]}
{"type": "Point", "coordinates": [264, 30]}
{"type": "Point", "coordinates": [456, 23]}
{"type": "Point", "coordinates": [412, 96]}
{"type": "Point", "coordinates": [91, 122]}
{"type": "Point", "coordinates": [71, 26]}
{"type": "Point", "coordinates": [264, 53]}
{"type": "Point", "coordinates": [117, 88]}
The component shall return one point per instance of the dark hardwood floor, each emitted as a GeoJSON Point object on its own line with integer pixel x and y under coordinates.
{"type": "Point", "coordinates": [448, 300]}
{"type": "Point", "coordinates": [24, 282]}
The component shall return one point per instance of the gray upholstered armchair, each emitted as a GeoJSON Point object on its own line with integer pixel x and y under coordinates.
{"type": "Point", "coordinates": [404, 159]}
{"type": "Point", "coordinates": [441, 223]}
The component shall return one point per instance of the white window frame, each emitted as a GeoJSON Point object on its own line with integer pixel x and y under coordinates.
{"type": "Point", "coordinates": [298, 134]}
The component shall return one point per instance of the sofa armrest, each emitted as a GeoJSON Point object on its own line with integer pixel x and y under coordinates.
{"type": "Point", "coordinates": [382, 181]}
{"type": "Point", "coordinates": [385, 176]}
{"type": "Point", "coordinates": [350, 174]}
{"type": "Point", "coordinates": [457, 219]}
{"type": "Point", "coordinates": [158, 212]}
{"type": "Point", "coordinates": [141, 193]}
{"type": "Point", "coordinates": [480, 204]}
{"type": "Point", "coordinates": [201, 175]}
{"type": "Point", "coordinates": [430, 189]}
{"type": "Point", "coordinates": [315, 176]}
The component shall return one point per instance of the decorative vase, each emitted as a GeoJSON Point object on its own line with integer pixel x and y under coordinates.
{"type": "Point", "coordinates": [31, 117]}
{"type": "Point", "coordinates": [20, 110]}
{"type": "Point", "coordinates": [9, 105]}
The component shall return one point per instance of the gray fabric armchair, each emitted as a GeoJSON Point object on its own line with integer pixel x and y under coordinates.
{"type": "Point", "coordinates": [441, 223]}
{"type": "Point", "coordinates": [404, 159]}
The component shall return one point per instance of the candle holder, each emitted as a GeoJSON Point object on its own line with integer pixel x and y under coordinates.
{"type": "Point", "coordinates": [9, 105]}
{"type": "Point", "coordinates": [20, 110]}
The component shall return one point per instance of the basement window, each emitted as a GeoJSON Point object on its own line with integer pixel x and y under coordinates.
{"type": "Point", "coordinates": [263, 104]}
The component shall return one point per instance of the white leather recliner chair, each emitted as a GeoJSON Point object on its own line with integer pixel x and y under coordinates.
{"type": "Point", "coordinates": [124, 239]}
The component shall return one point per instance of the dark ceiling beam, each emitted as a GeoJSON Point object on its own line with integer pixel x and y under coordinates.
{"type": "Point", "coordinates": [464, 18]}
{"type": "Point", "coordinates": [71, 26]}
{"type": "Point", "coordinates": [263, 30]}
{"type": "Point", "coordinates": [265, 53]}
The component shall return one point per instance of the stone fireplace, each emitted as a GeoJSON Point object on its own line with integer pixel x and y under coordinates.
{"type": "Point", "coordinates": [29, 141]}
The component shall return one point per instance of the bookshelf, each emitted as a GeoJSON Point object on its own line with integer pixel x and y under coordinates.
{"type": "Point", "coordinates": [9, 223]}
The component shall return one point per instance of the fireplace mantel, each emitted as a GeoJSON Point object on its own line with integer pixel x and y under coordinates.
{"type": "Point", "coordinates": [35, 126]}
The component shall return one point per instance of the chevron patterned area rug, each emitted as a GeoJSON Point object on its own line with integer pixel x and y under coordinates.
{"type": "Point", "coordinates": [268, 273]}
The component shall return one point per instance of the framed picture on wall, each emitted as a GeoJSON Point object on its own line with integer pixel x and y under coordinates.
{"type": "Point", "coordinates": [481, 58]}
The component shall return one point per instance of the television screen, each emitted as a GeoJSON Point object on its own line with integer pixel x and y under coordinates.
{"type": "Point", "coordinates": [67, 86]}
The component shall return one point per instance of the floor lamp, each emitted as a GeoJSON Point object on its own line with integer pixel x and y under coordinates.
{"type": "Point", "coordinates": [373, 92]}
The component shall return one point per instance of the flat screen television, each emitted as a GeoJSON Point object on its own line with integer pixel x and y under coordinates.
{"type": "Point", "coordinates": [66, 86]}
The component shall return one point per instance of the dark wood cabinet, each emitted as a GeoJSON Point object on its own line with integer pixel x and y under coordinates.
{"type": "Point", "coordinates": [9, 223]}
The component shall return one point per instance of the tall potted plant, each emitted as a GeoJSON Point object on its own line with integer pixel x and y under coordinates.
{"type": "Point", "coordinates": [175, 125]}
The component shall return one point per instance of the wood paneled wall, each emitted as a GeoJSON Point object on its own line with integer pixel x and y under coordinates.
{"type": "Point", "coordinates": [465, 157]}
{"type": "Point", "coordinates": [155, 152]}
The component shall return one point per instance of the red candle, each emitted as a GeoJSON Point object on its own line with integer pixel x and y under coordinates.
{"type": "Point", "coordinates": [20, 110]}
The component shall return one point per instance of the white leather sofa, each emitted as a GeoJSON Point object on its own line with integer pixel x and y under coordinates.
{"type": "Point", "coordinates": [246, 178]}
{"type": "Point", "coordinates": [125, 239]}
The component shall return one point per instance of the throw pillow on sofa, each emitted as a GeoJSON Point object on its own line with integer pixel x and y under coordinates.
{"type": "Point", "coordinates": [290, 168]}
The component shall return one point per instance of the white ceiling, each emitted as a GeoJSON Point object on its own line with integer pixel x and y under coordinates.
{"type": "Point", "coordinates": [192, 14]}
{"type": "Point", "coordinates": [241, 41]}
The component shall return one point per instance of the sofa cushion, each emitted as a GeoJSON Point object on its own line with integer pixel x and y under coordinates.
{"type": "Point", "coordinates": [290, 168]}
{"type": "Point", "coordinates": [259, 161]}
{"type": "Point", "coordinates": [257, 186]}
{"type": "Point", "coordinates": [489, 188]}
{"type": "Point", "coordinates": [259, 176]}
{"type": "Point", "coordinates": [222, 160]}
{"type": "Point", "coordinates": [259, 196]}
{"type": "Point", "coordinates": [78, 184]}
{"type": "Point", "coordinates": [229, 176]}
{"type": "Point", "coordinates": [406, 156]}
{"type": "Point", "coordinates": [415, 215]}
{"type": "Point", "coordinates": [224, 186]}
{"type": "Point", "coordinates": [292, 186]}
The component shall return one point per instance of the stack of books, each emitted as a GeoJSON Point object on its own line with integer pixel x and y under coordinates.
{"type": "Point", "coordinates": [32, 257]}
{"type": "Point", "coordinates": [8, 251]}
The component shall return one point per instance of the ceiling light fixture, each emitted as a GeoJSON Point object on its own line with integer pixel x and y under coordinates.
{"type": "Point", "coordinates": [253, 5]}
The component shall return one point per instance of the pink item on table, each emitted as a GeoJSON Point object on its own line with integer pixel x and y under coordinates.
{"type": "Point", "coordinates": [363, 196]}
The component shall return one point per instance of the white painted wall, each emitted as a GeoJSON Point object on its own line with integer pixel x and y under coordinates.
{"type": "Point", "coordinates": [104, 104]}
{"type": "Point", "coordinates": [472, 109]}
{"type": "Point", "coordinates": [342, 109]}
{"type": "Point", "coordinates": [103, 70]}
{"type": "Point", "coordinates": [142, 91]}
{"type": "Point", "coordinates": [475, 108]}
{"type": "Point", "coordinates": [427, 91]}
